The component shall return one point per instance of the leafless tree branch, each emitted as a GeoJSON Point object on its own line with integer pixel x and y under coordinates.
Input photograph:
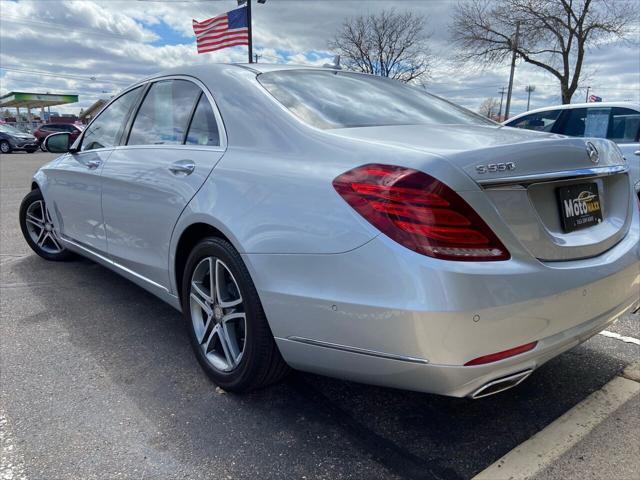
{"type": "Point", "coordinates": [389, 44]}
{"type": "Point", "coordinates": [555, 35]}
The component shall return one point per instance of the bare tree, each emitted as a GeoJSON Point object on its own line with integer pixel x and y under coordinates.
{"type": "Point", "coordinates": [389, 44]}
{"type": "Point", "coordinates": [489, 107]}
{"type": "Point", "coordinates": [552, 34]}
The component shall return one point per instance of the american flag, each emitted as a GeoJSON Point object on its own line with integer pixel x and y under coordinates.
{"type": "Point", "coordinates": [223, 31]}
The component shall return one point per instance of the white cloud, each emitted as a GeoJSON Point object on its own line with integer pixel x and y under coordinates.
{"type": "Point", "coordinates": [96, 47]}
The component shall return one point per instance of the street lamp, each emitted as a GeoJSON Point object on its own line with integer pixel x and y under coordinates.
{"type": "Point", "coordinates": [529, 89]}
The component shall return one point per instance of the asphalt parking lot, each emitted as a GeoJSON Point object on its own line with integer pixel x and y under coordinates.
{"type": "Point", "coordinates": [98, 381]}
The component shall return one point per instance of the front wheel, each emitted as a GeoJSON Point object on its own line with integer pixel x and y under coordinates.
{"type": "Point", "coordinates": [38, 228]}
{"type": "Point", "coordinates": [227, 325]}
{"type": "Point", "coordinates": [5, 147]}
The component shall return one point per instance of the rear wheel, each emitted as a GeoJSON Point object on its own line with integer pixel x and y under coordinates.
{"type": "Point", "coordinates": [227, 325]}
{"type": "Point", "coordinates": [38, 228]}
{"type": "Point", "coordinates": [5, 147]}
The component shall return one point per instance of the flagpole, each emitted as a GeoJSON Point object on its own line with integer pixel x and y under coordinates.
{"type": "Point", "coordinates": [250, 31]}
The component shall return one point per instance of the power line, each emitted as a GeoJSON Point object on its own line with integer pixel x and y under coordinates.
{"type": "Point", "coordinates": [62, 75]}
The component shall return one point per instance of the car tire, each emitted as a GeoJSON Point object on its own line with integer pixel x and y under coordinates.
{"type": "Point", "coordinates": [232, 341]}
{"type": "Point", "coordinates": [31, 150]}
{"type": "Point", "coordinates": [5, 147]}
{"type": "Point", "coordinates": [38, 229]}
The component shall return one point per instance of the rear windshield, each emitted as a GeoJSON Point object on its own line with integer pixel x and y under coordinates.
{"type": "Point", "coordinates": [330, 99]}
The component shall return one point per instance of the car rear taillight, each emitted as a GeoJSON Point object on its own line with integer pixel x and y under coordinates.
{"type": "Point", "coordinates": [419, 212]}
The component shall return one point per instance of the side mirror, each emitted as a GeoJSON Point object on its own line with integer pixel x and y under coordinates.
{"type": "Point", "coordinates": [58, 142]}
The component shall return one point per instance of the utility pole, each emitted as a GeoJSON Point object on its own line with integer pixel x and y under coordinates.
{"type": "Point", "coordinates": [501, 92]}
{"type": "Point", "coordinates": [586, 98]}
{"type": "Point", "coordinates": [529, 89]}
{"type": "Point", "coordinates": [256, 57]}
{"type": "Point", "coordinates": [513, 70]}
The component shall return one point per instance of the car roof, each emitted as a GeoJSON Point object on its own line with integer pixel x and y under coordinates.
{"type": "Point", "coordinates": [214, 69]}
{"type": "Point", "coordinates": [631, 105]}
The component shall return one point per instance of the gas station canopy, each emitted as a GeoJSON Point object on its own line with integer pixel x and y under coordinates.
{"type": "Point", "coordinates": [35, 100]}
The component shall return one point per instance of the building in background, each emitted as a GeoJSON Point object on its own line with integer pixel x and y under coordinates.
{"type": "Point", "coordinates": [34, 101]}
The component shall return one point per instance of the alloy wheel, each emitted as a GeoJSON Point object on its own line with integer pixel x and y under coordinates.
{"type": "Point", "coordinates": [218, 314]}
{"type": "Point", "coordinates": [41, 228]}
{"type": "Point", "coordinates": [5, 147]}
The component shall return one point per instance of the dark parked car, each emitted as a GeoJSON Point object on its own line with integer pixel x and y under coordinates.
{"type": "Point", "coordinates": [45, 130]}
{"type": "Point", "coordinates": [13, 139]}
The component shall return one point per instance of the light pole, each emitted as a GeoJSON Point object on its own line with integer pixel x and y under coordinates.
{"type": "Point", "coordinates": [529, 89]}
{"type": "Point", "coordinates": [501, 92]}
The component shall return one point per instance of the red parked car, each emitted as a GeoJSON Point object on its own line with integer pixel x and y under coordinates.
{"type": "Point", "coordinates": [43, 131]}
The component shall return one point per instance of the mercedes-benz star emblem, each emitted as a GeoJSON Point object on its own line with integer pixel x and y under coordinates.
{"type": "Point", "coordinates": [592, 151]}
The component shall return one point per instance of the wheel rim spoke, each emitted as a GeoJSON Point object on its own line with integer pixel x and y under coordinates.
{"type": "Point", "coordinates": [35, 220]}
{"type": "Point", "coordinates": [42, 237]}
{"type": "Point", "coordinates": [229, 329]}
{"type": "Point", "coordinates": [223, 338]}
{"type": "Point", "coordinates": [54, 241]}
{"type": "Point", "coordinates": [223, 296]}
{"type": "Point", "coordinates": [201, 297]}
{"type": "Point", "coordinates": [207, 334]}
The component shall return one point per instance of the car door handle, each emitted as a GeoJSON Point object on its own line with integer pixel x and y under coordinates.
{"type": "Point", "coordinates": [182, 167]}
{"type": "Point", "coordinates": [93, 164]}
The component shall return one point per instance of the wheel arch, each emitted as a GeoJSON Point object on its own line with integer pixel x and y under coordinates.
{"type": "Point", "coordinates": [188, 239]}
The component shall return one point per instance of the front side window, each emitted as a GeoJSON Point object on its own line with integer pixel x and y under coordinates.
{"type": "Point", "coordinates": [106, 129]}
{"type": "Point", "coordinates": [163, 117]}
{"type": "Point", "coordinates": [329, 99]}
{"type": "Point", "coordinates": [541, 121]}
{"type": "Point", "coordinates": [586, 122]}
{"type": "Point", "coordinates": [203, 129]}
{"type": "Point", "coordinates": [624, 126]}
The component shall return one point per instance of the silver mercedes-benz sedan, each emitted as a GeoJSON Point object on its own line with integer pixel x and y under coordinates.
{"type": "Point", "coordinates": [345, 224]}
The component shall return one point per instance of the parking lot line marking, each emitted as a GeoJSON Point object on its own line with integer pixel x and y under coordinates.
{"type": "Point", "coordinates": [532, 456]}
{"type": "Point", "coordinates": [617, 336]}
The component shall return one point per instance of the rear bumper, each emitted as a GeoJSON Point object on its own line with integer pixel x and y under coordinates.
{"type": "Point", "coordinates": [452, 380]}
{"type": "Point", "coordinates": [383, 315]}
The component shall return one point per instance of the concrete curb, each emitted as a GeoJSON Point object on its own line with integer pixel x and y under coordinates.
{"type": "Point", "coordinates": [532, 456]}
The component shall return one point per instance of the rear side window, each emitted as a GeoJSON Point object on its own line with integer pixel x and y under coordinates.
{"type": "Point", "coordinates": [106, 129]}
{"type": "Point", "coordinates": [203, 129]}
{"type": "Point", "coordinates": [163, 117]}
{"type": "Point", "coordinates": [541, 121]}
{"type": "Point", "coordinates": [624, 125]}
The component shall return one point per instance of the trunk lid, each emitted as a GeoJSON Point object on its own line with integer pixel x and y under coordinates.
{"type": "Point", "coordinates": [521, 173]}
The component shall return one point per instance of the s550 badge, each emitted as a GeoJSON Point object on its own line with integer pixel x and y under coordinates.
{"type": "Point", "coordinates": [495, 167]}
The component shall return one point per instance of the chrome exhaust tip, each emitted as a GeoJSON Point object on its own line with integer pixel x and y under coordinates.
{"type": "Point", "coordinates": [500, 384]}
